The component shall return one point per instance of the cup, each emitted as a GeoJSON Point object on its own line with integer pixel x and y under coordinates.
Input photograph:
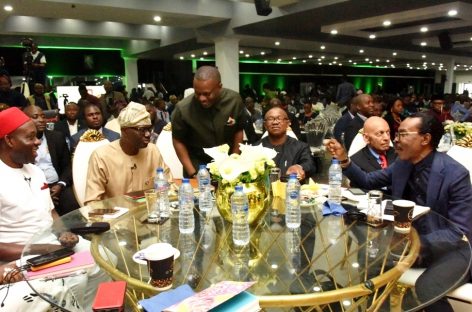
{"type": "Point", "coordinates": [374, 208]}
{"type": "Point", "coordinates": [274, 174]}
{"type": "Point", "coordinates": [160, 261]}
{"type": "Point", "coordinates": [403, 214]}
{"type": "Point", "coordinates": [151, 205]}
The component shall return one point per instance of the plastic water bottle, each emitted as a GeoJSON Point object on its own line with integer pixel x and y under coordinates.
{"type": "Point", "coordinates": [162, 189]}
{"type": "Point", "coordinates": [240, 210]}
{"type": "Point", "coordinates": [335, 180]}
{"type": "Point", "coordinates": [292, 203]}
{"type": "Point", "coordinates": [205, 202]}
{"type": "Point", "coordinates": [186, 219]}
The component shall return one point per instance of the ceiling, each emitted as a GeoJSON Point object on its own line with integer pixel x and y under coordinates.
{"type": "Point", "coordinates": [303, 29]}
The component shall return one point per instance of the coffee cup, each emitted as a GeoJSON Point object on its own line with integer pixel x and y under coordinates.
{"type": "Point", "coordinates": [160, 261]}
{"type": "Point", "coordinates": [403, 215]}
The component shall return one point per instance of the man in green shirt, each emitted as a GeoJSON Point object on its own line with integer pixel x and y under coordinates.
{"type": "Point", "coordinates": [212, 116]}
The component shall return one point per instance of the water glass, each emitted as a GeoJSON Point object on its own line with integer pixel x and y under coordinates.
{"type": "Point", "coordinates": [151, 205]}
{"type": "Point", "coordinates": [374, 208]}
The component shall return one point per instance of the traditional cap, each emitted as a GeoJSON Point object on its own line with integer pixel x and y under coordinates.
{"type": "Point", "coordinates": [134, 115]}
{"type": "Point", "coordinates": [11, 119]}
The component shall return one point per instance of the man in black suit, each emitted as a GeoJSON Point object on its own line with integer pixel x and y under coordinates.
{"type": "Point", "coordinates": [365, 109]}
{"type": "Point", "coordinates": [343, 122]}
{"type": "Point", "coordinates": [377, 154]}
{"type": "Point", "coordinates": [294, 124]}
{"type": "Point", "coordinates": [72, 124]}
{"type": "Point", "coordinates": [55, 161]}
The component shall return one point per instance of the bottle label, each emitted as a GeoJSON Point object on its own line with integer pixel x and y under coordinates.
{"type": "Point", "coordinates": [293, 194]}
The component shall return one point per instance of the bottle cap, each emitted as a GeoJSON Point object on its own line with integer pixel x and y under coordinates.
{"type": "Point", "coordinates": [293, 176]}
{"type": "Point", "coordinates": [203, 166]}
{"type": "Point", "coordinates": [238, 188]}
{"type": "Point", "coordinates": [160, 169]}
{"type": "Point", "coordinates": [335, 161]}
{"type": "Point", "coordinates": [185, 180]}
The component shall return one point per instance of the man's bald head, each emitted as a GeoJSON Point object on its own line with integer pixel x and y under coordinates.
{"type": "Point", "coordinates": [377, 134]}
{"type": "Point", "coordinates": [208, 73]}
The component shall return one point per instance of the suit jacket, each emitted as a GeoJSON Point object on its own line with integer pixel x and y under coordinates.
{"type": "Point", "coordinates": [368, 162]}
{"type": "Point", "coordinates": [60, 155]}
{"type": "Point", "coordinates": [449, 194]}
{"type": "Point", "coordinates": [351, 130]}
{"type": "Point", "coordinates": [341, 126]}
{"type": "Point", "coordinates": [110, 135]}
{"type": "Point", "coordinates": [63, 127]}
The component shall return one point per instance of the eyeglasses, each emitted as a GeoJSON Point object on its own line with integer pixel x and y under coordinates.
{"type": "Point", "coordinates": [142, 130]}
{"type": "Point", "coordinates": [401, 135]}
{"type": "Point", "coordinates": [274, 119]}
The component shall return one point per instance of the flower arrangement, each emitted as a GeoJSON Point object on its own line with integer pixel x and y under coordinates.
{"type": "Point", "coordinates": [252, 165]}
{"type": "Point", "coordinates": [461, 129]}
{"type": "Point", "coordinates": [318, 107]}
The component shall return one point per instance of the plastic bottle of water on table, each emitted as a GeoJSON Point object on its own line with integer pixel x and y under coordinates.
{"type": "Point", "coordinates": [186, 218]}
{"type": "Point", "coordinates": [205, 202]}
{"type": "Point", "coordinates": [161, 185]}
{"type": "Point", "coordinates": [240, 211]}
{"type": "Point", "coordinates": [335, 181]}
{"type": "Point", "coordinates": [292, 202]}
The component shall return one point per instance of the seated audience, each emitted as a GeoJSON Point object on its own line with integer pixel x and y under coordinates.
{"type": "Point", "coordinates": [439, 109]}
{"type": "Point", "coordinates": [85, 98]}
{"type": "Point", "coordinates": [9, 96]}
{"type": "Point", "coordinates": [109, 99]}
{"type": "Point", "coordinates": [41, 99]}
{"type": "Point", "coordinates": [365, 109]}
{"type": "Point", "coordinates": [93, 120]}
{"type": "Point", "coordinates": [157, 124]}
{"type": "Point", "coordinates": [112, 123]}
{"type": "Point", "coordinates": [128, 164]}
{"type": "Point", "coordinates": [54, 160]}
{"type": "Point", "coordinates": [394, 116]}
{"type": "Point", "coordinates": [308, 113]}
{"type": "Point", "coordinates": [72, 123]}
{"type": "Point", "coordinates": [432, 179]}
{"type": "Point", "coordinates": [293, 156]}
{"type": "Point", "coordinates": [252, 110]}
{"type": "Point", "coordinates": [343, 122]}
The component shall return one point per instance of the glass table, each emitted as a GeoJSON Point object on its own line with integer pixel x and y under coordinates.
{"type": "Point", "coordinates": [334, 262]}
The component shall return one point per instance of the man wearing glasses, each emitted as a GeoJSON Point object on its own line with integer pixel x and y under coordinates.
{"type": "Point", "coordinates": [128, 164]}
{"type": "Point", "coordinates": [212, 116]}
{"type": "Point", "coordinates": [432, 179]}
{"type": "Point", "coordinates": [293, 156]}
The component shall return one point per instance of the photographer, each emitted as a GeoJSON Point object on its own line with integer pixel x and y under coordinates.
{"type": "Point", "coordinates": [34, 62]}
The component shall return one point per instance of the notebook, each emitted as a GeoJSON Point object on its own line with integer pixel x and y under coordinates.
{"type": "Point", "coordinates": [80, 260]}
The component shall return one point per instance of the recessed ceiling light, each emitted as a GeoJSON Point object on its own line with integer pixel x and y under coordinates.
{"type": "Point", "coordinates": [387, 23]}
{"type": "Point", "coordinates": [334, 62]}
{"type": "Point", "coordinates": [310, 56]}
{"type": "Point", "coordinates": [322, 56]}
{"type": "Point", "coordinates": [304, 61]}
{"type": "Point", "coordinates": [181, 57]}
{"type": "Point", "coordinates": [371, 36]}
{"type": "Point", "coordinates": [423, 44]}
{"type": "Point", "coordinates": [265, 61]}
{"type": "Point", "coordinates": [350, 61]}
{"type": "Point", "coordinates": [290, 62]}
{"type": "Point", "coordinates": [322, 47]}
{"type": "Point", "coordinates": [241, 51]}
{"type": "Point", "coordinates": [8, 8]}
{"type": "Point", "coordinates": [452, 13]}
{"type": "Point", "coordinates": [377, 60]}
{"type": "Point", "coordinates": [335, 57]}
{"type": "Point", "coordinates": [394, 53]}
{"type": "Point", "coordinates": [366, 59]}
{"type": "Point", "coordinates": [205, 53]}
{"type": "Point", "coordinates": [370, 62]}
{"type": "Point", "coordinates": [361, 51]}
{"type": "Point", "coordinates": [262, 53]}
{"type": "Point", "coordinates": [294, 58]}
{"type": "Point", "coordinates": [424, 29]}
{"type": "Point", "coordinates": [388, 61]}
{"type": "Point", "coordinates": [157, 18]}
{"type": "Point", "coordinates": [354, 63]}
{"type": "Point", "coordinates": [470, 38]}
{"type": "Point", "coordinates": [433, 63]}
{"type": "Point", "coordinates": [330, 64]}
{"type": "Point", "coordinates": [320, 63]}
{"type": "Point", "coordinates": [340, 64]}
{"type": "Point", "coordinates": [277, 43]}
{"type": "Point", "coordinates": [201, 58]}
{"type": "Point", "coordinates": [334, 32]}
{"type": "Point", "coordinates": [246, 55]}
{"type": "Point", "coordinates": [423, 56]}
{"type": "Point", "coordinates": [279, 60]}
{"type": "Point", "coordinates": [192, 55]}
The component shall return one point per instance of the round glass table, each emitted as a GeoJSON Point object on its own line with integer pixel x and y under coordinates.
{"type": "Point", "coordinates": [333, 262]}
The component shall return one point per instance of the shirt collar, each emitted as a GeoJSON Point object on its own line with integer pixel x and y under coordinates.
{"type": "Point", "coordinates": [364, 118]}
{"type": "Point", "coordinates": [425, 162]}
{"type": "Point", "coordinates": [374, 153]}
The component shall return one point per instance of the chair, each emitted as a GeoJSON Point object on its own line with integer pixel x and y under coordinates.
{"type": "Point", "coordinates": [358, 143]}
{"type": "Point", "coordinates": [80, 165]}
{"type": "Point", "coordinates": [463, 156]}
{"type": "Point", "coordinates": [166, 148]}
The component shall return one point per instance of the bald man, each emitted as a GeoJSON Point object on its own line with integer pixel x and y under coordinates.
{"type": "Point", "coordinates": [209, 117]}
{"type": "Point", "coordinates": [378, 153]}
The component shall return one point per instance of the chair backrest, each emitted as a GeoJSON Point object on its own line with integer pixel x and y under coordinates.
{"type": "Point", "coordinates": [357, 144]}
{"type": "Point", "coordinates": [462, 155]}
{"type": "Point", "coordinates": [80, 164]}
{"type": "Point", "coordinates": [166, 148]}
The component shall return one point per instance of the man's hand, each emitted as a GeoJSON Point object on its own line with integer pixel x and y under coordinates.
{"type": "Point", "coordinates": [336, 149]}
{"type": "Point", "coordinates": [68, 239]}
{"type": "Point", "coordinates": [56, 192]}
{"type": "Point", "coordinates": [298, 170]}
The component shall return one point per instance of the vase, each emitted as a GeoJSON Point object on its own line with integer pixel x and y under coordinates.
{"type": "Point", "coordinates": [257, 195]}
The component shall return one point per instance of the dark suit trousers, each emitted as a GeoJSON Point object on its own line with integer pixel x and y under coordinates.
{"type": "Point", "coordinates": [447, 267]}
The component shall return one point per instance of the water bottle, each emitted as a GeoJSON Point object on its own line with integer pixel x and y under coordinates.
{"type": "Point", "coordinates": [162, 189]}
{"type": "Point", "coordinates": [292, 202]}
{"type": "Point", "coordinates": [205, 202]}
{"type": "Point", "coordinates": [186, 219]}
{"type": "Point", "coordinates": [240, 210]}
{"type": "Point", "coordinates": [335, 180]}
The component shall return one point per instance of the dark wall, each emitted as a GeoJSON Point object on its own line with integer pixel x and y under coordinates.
{"type": "Point", "coordinates": [69, 62]}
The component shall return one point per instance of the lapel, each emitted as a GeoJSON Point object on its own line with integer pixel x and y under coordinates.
{"type": "Point", "coordinates": [400, 174]}
{"type": "Point", "coordinates": [371, 159]}
{"type": "Point", "coordinates": [436, 179]}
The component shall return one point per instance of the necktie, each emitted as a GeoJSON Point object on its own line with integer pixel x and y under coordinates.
{"type": "Point", "coordinates": [383, 161]}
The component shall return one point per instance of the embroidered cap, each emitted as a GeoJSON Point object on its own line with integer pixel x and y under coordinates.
{"type": "Point", "coordinates": [134, 115]}
{"type": "Point", "coordinates": [11, 119]}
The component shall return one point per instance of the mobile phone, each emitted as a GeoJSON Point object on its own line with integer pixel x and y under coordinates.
{"type": "Point", "coordinates": [50, 257]}
{"type": "Point", "coordinates": [356, 191]}
{"type": "Point", "coordinates": [388, 207]}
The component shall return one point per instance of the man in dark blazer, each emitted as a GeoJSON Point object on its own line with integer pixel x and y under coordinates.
{"type": "Point", "coordinates": [55, 161]}
{"type": "Point", "coordinates": [343, 122]}
{"type": "Point", "coordinates": [94, 120]}
{"type": "Point", "coordinates": [377, 154]}
{"type": "Point", "coordinates": [432, 179]}
{"type": "Point", "coordinates": [365, 109]}
{"type": "Point", "coordinates": [71, 123]}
